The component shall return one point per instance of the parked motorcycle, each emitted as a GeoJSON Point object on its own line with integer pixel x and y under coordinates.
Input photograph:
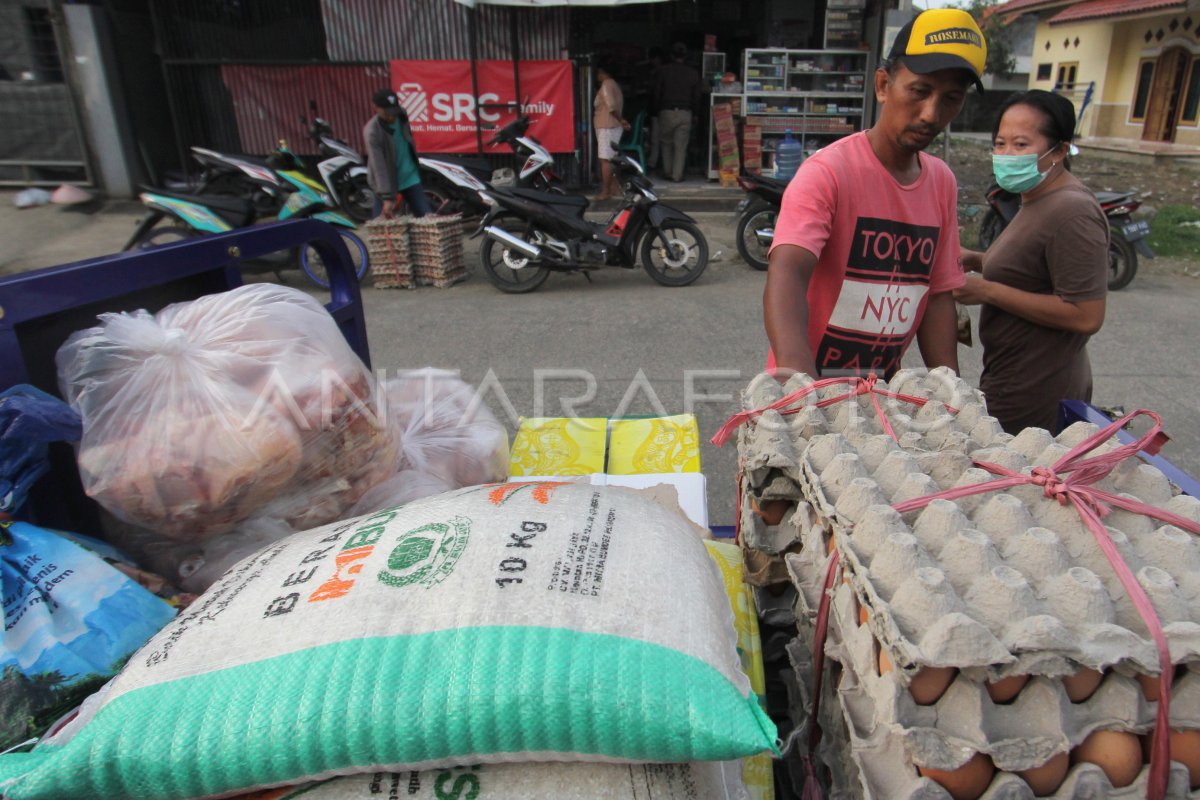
{"type": "Point", "coordinates": [756, 217]}
{"type": "Point", "coordinates": [1127, 237]}
{"type": "Point", "coordinates": [239, 176]}
{"type": "Point", "coordinates": [343, 170]}
{"type": "Point", "coordinates": [195, 215]}
{"type": "Point", "coordinates": [533, 233]}
{"type": "Point", "coordinates": [453, 184]}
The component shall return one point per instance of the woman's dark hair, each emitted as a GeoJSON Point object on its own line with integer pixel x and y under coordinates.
{"type": "Point", "coordinates": [1057, 115]}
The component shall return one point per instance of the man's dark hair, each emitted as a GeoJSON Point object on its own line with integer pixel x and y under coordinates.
{"type": "Point", "coordinates": [679, 51]}
{"type": "Point", "coordinates": [1056, 116]}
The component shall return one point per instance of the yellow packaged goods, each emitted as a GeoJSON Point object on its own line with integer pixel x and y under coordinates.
{"type": "Point", "coordinates": [654, 445]}
{"type": "Point", "coordinates": [756, 769]}
{"type": "Point", "coordinates": [558, 446]}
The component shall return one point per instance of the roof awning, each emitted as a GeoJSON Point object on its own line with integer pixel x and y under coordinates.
{"type": "Point", "coordinates": [1111, 9]}
{"type": "Point", "coordinates": [546, 3]}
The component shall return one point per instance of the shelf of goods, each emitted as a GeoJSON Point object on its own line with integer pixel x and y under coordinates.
{"type": "Point", "coordinates": [819, 95]}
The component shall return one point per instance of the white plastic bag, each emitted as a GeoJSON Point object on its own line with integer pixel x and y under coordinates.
{"type": "Point", "coordinates": [237, 405]}
{"type": "Point", "coordinates": [448, 440]}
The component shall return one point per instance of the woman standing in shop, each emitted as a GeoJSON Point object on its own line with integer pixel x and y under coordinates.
{"type": "Point", "coordinates": [1042, 284]}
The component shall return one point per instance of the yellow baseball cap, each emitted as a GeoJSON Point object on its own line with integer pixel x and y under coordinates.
{"type": "Point", "coordinates": [941, 38]}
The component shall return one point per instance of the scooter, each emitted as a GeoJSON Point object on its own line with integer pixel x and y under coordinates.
{"type": "Point", "coordinates": [196, 215]}
{"type": "Point", "coordinates": [531, 234]}
{"type": "Point", "coordinates": [756, 217]}
{"type": "Point", "coordinates": [1127, 236]}
{"type": "Point", "coordinates": [236, 176]}
{"type": "Point", "coordinates": [454, 185]}
{"type": "Point", "coordinates": [343, 170]}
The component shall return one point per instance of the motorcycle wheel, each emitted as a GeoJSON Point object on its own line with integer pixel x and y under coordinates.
{"type": "Point", "coordinates": [675, 254]}
{"type": "Point", "coordinates": [314, 266]}
{"type": "Point", "coordinates": [165, 235]}
{"type": "Point", "coordinates": [359, 200]}
{"type": "Point", "coordinates": [1122, 263]}
{"type": "Point", "coordinates": [990, 228]}
{"type": "Point", "coordinates": [754, 218]}
{"type": "Point", "coordinates": [511, 272]}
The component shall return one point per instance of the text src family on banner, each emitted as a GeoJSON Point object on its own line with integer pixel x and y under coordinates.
{"type": "Point", "coordinates": [441, 107]}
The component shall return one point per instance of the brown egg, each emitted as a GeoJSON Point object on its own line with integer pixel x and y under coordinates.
{"type": "Point", "coordinates": [771, 511]}
{"type": "Point", "coordinates": [1149, 686]}
{"type": "Point", "coordinates": [1118, 753]}
{"type": "Point", "coordinates": [1005, 689]}
{"type": "Point", "coordinates": [1185, 748]}
{"type": "Point", "coordinates": [1082, 684]}
{"type": "Point", "coordinates": [862, 615]}
{"type": "Point", "coordinates": [829, 544]}
{"type": "Point", "coordinates": [930, 684]}
{"type": "Point", "coordinates": [885, 663]}
{"type": "Point", "coordinates": [968, 781]}
{"type": "Point", "coordinates": [1044, 780]}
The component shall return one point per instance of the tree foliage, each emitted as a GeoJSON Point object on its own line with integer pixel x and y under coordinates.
{"type": "Point", "coordinates": [1001, 61]}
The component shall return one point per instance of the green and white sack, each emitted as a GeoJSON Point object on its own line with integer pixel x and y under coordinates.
{"type": "Point", "coordinates": [522, 622]}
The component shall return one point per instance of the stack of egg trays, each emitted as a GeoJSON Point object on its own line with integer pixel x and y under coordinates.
{"type": "Point", "coordinates": [998, 585]}
{"type": "Point", "coordinates": [771, 447]}
{"type": "Point", "coordinates": [387, 247]}
{"type": "Point", "coordinates": [435, 243]}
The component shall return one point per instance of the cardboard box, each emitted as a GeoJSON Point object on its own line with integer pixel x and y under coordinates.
{"type": "Point", "coordinates": [558, 446]}
{"type": "Point", "coordinates": [654, 444]}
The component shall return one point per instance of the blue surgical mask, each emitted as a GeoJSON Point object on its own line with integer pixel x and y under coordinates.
{"type": "Point", "coordinates": [1019, 174]}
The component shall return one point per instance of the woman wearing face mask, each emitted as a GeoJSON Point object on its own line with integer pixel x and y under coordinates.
{"type": "Point", "coordinates": [1043, 281]}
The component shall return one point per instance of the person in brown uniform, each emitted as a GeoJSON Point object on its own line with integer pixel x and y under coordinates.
{"type": "Point", "coordinates": [1042, 284]}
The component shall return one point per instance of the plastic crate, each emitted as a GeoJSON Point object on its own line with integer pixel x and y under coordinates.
{"type": "Point", "coordinates": [40, 309]}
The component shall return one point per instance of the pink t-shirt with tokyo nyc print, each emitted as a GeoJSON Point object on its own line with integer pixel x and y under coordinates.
{"type": "Point", "coordinates": [882, 248]}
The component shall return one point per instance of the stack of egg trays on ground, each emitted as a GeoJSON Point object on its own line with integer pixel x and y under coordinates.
{"type": "Point", "coordinates": [387, 247]}
{"type": "Point", "coordinates": [435, 243]}
{"type": "Point", "coordinates": [997, 612]}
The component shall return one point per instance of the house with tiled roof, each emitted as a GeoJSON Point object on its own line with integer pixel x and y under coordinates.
{"type": "Point", "coordinates": [1132, 66]}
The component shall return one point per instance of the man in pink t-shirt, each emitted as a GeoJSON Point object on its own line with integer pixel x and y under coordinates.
{"type": "Point", "coordinates": [866, 246]}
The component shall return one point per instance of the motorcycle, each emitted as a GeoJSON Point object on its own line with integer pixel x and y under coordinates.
{"type": "Point", "coordinates": [1127, 237]}
{"type": "Point", "coordinates": [343, 170]}
{"type": "Point", "coordinates": [533, 233]}
{"type": "Point", "coordinates": [195, 215]}
{"type": "Point", "coordinates": [236, 176]}
{"type": "Point", "coordinates": [756, 217]}
{"type": "Point", "coordinates": [453, 185]}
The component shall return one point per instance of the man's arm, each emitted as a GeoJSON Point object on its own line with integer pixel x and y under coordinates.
{"type": "Point", "coordinates": [937, 337]}
{"type": "Point", "coordinates": [785, 307]}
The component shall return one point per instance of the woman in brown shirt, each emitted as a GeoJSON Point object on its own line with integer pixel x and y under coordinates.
{"type": "Point", "coordinates": [1042, 284]}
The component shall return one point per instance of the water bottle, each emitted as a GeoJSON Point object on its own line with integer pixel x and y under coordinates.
{"type": "Point", "coordinates": [787, 157]}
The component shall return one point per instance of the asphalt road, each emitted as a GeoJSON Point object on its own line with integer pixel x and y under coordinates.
{"type": "Point", "coordinates": [622, 344]}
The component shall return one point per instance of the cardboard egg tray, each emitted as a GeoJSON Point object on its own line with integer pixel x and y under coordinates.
{"type": "Point", "coordinates": [889, 731]}
{"type": "Point", "coordinates": [883, 762]}
{"type": "Point", "coordinates": [1005, 583]}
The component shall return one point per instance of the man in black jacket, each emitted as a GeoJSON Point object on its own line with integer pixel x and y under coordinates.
{"type": "Point", "coordinates": [392, 158]}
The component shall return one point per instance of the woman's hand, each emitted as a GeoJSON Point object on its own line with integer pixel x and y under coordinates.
{"type": "Point", "coordinates": [974, 291]}
{"type": "Point", "coordinates": [972, 260]}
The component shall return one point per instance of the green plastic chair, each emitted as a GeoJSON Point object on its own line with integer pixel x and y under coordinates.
{"type": "Point", "coordinates": [634, 145]}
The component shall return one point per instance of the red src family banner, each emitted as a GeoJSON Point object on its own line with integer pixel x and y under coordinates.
{"type": "Point", "coordinates": [441, 107]}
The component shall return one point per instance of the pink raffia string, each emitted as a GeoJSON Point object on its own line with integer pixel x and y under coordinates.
{"type": "Point", "coordinates": [812, 788]}
{"type": "Point", "coordinates": [857, 386]}
{"type": "Point", "coordinates": [1070, 480]}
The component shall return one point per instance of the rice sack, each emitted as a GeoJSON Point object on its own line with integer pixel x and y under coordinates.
{"type": "Point", "coordinates": [502, 623]}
